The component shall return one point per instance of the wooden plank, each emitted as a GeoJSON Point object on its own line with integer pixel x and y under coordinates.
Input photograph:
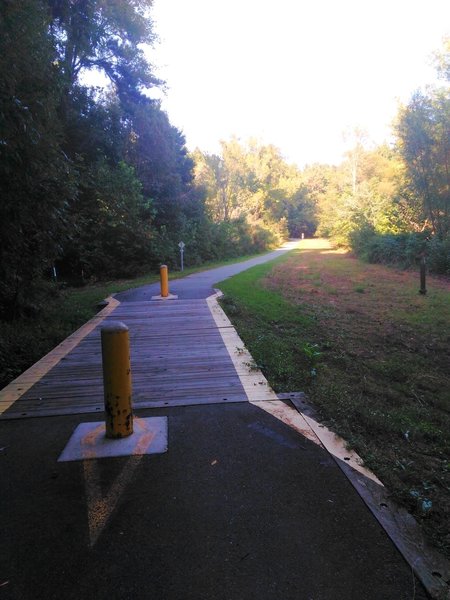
{"type": "Point", "coordinates": [182, 353]}
{"type": "Point", "coordinates": [178, 358]}
{"type": "Point", "coordinates": [12, 392]}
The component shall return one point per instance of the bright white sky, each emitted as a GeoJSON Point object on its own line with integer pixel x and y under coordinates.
{"type": "Point", "coordinates": [294, 73]}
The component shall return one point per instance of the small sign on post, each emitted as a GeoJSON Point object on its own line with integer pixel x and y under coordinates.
{"type": "Point", "coordinates": [181, 246]}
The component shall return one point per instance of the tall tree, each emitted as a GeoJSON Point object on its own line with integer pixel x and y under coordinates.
{"type": "Point", "coordinates": [423, 130]}
{"type": "Point", "coordinates": [210, 175]}
{"type": "Point", "coordinates": [358, 139]}
{"type": "Point", "coordinates": [374, 202]}
{"type": "Point", "coordinates": [157, 151]}
{"type": "Point", "coordinates": [36, 177]}
{"type": "Point", "coordinates": [105, 35]}
{"type": "Point", "coordinates": [442, 60]}
{"type": "Point", "coordinates": [123, 127]}
{"type": "Point", "coordinates": [253, 182]}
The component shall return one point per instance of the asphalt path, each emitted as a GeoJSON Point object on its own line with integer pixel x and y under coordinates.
{"type": "Point", "coordinates": [240, 507]}
{"type": "Point", "coordinates": [201, 285]}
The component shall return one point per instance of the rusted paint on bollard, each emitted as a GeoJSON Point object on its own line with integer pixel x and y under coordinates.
{"type": "Point", "coordinates": [117, 380]}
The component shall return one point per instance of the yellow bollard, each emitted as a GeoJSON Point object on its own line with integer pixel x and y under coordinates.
{"type": "Point", "coordinates": [164, 278]}
{"type": "Point", "coordinates": [117, 380]}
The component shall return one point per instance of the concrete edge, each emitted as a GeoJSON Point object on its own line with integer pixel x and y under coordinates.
{"type": "Point", "coordinates": [169, 297]}
{"type": "Point", "coordinates": [88, 440]}
{"type": "Point", "coordinates": [17, 388]}
{"type": "Point", "coordinates": [430, 567]}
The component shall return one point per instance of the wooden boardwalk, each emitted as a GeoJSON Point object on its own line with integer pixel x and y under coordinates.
{"type": "Point", "coordinates": [186, 352]}
{"type": "Point", "coordinates": [178, 357]}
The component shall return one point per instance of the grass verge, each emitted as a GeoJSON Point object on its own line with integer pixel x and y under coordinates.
{"type": "Point", "coordinates": [373, 356]}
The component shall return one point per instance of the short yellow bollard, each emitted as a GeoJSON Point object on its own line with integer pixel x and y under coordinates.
{"type": "Point", "coordinates": [164, 277]}
{"type": "Point", "coordinates": [117, 380]}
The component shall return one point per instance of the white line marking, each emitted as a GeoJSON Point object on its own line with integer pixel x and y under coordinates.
{"type": "Point", "coordinates": [100, 507]}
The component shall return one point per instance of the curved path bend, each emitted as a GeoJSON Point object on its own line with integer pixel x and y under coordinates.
{"type": "Point", "coordinates": [201, 285]}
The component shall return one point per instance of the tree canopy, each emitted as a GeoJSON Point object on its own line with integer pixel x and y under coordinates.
{"type": "Point", "coordinates": [98, 183]}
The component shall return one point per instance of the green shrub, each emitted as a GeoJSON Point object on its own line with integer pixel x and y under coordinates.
{"type": "Point", "coordinates": [403, 249]}
{"type": "Point", "coordinates": [438, 255]}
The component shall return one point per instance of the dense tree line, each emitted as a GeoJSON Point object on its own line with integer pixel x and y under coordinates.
{"type": "Point", "coordinates": [94, 182]}
{"type": "Point", "coordinates": [97, 183]}
{"type": "Point", "coordinates": [389, 203]}
{"type": "Point", "coordinates": [392, 204]}
{"type": "Point", "coordinates": [253, 182]}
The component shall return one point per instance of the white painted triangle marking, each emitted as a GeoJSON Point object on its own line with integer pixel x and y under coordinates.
{"type": "Point", "coordinates": [100, 506]}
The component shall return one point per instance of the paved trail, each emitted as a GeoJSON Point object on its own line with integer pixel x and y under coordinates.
{"type": "Point", "coordinates": [242, 505]}
{"type": "Point", "coordinates": [200, 285]}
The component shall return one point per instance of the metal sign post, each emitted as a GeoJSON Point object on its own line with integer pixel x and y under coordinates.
{"type": "Point", "coordinates": [181, 246]}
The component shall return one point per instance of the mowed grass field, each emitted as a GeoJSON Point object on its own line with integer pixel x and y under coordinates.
{"type": "Point", "coordinates": [372, 354]}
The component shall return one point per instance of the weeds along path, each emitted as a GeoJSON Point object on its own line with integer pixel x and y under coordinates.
{"type": "Point", "coordinates": [372, 354]}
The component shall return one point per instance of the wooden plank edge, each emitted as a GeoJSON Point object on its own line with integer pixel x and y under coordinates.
{"type": "Point", "coordinates": [256, 386]}
{"type": "Point", "coordinates": [241, 358]}
{"type": "Point", "coordinates": [97, 408]}
{"type": "Point", "coordinates": [12, 392]}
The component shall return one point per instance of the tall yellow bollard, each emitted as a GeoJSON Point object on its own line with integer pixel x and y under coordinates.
{"type": "Point", "coordinates": [164, 278]}
{"type": "Point", "coordinates": [117, 380]}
